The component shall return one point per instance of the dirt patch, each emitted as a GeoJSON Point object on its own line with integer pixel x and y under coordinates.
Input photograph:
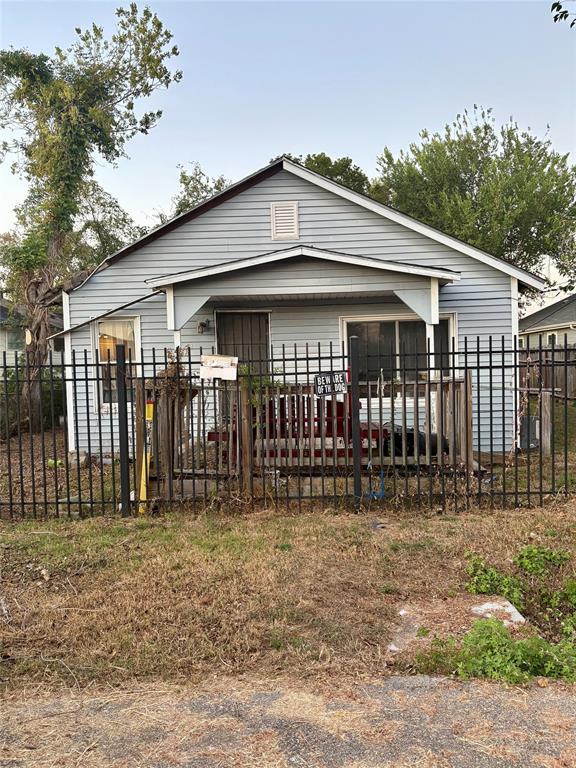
{"type": "Point", "coordinates": [419, 721]}
{"type": "Point", "coordinates": [417, 623]}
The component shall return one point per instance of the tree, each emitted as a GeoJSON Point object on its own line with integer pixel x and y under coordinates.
{"type": "Point", "coordinates": [65, 110]}
{"type": "Point", "coordinates": [101, 227]}
{"type": "Point", "coordinates": [560, 13]}
{"type": "Point", "coordinates": [342, 170]}
{"type": "Point", "coordinates": [502, 190]}
{"type": "Point", "coordinates": [195, 187]}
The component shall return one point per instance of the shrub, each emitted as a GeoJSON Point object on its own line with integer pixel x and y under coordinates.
{"type": "Point", "coordinates": [538, 561]}
{"type": "Point", "coordinates": [488, 650]}
{"type": "Point", "coordinates": [487, 580]}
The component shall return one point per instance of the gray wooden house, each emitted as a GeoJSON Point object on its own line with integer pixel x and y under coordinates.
{"type": "Point", "coordinates": [554, 324]}
{"type": "Point", "coordinates": [286, 256]}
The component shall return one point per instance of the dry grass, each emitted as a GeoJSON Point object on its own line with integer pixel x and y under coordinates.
{"type": "Point", "coordinates": [180, 598]}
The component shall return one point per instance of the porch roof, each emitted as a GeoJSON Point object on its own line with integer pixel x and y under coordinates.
{"type": "Point", "coordinates": [302, 271]}
{"type": "Point", "coordinates": [442, 274]}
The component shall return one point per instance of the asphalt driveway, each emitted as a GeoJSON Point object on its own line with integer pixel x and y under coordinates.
{"type": "Point", "coordinates": [401, 721]}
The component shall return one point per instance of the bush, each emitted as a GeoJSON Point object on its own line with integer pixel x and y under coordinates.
{"type": "Point", "coordinates": [488, 650]}
{"type": "Point", "coordinates": [539, 561]}
{"type": "Point", "coordinates": [487, 580]}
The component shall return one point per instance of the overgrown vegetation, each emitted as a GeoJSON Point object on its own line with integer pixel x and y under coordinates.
{"type": "Point", "coordinates": [537, 586]}
{"type": "Point", "coordinates": [487, 580]}
{"type": "Point", "coordinates": [490, 650]}
{"type": "Point", "coordinates": [541, 590]}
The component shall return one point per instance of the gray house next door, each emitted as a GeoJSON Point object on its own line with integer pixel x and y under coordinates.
{"type": "Point", "coordinates": [246, 336]}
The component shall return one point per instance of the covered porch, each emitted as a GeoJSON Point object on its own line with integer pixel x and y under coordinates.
{"type": "Point", "coordinates": [238, 298]}
{"type": "Point", "coordinates": [272, 420]}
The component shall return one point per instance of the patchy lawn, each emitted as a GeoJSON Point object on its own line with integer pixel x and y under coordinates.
{"type": "Point", "coordinates": [179, 598]}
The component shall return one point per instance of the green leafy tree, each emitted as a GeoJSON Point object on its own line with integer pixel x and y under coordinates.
{"type": "Point", "coordinates": [101, 227]}
{"type": "Point", "coordinates": [342, 170]}
{"type": "Point", "coordinates": [195, 187]}
{"type": "Point", "coordinates": [500, 189]}
{"type": "Point", "coordinates": [561, 13]}
{"type": "Point", "coordinates": [66, 110]}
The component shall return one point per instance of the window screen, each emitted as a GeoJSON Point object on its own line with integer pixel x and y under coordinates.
{"type": "Point", "coordinates": [443, 347]}
{"type": "Point", "coordinates": [377, 343]}
{"type": "Point", "coordinates": [399, 348]}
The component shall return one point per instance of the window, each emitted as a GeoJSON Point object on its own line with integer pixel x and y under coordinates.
{"type": "Point", "coordinates": [552, 341]}
{"type": "Point", "coordinates": [521, 341]}
{"type": "Point", "coordinates": [398, 348]}
{"type": "Point", "coordinates": [15, 340]}
{"type": "Point", "coordinates": [284, 221]}
{"type": "Point", "coordinates": [109, 334]}
{"type": "Point", "coordinates": [58, 344]}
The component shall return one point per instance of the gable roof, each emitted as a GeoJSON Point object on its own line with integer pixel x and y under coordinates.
{"type": "Point", "coordinates": [302, 250]}
{"type": "Point", "coordinates": [562, 312]}
{"type": "Point", "coordinates": [283, 164]}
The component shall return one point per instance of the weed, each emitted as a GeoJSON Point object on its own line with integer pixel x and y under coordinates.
{"type": "Point", "coordinates": [389, 589]}
{"type": "Point", "coordinates": [569, 593]}
{"type": "Point", "coordinates": [487, 580]}
{"type": "Point", "coordinates": [488, 650]}
{"type": "Point", "coordinates": [422, 632]}
{"type": "Point", "coordinates": [538, 561]}
{"type": "Point", "coordinates": [285, 546]}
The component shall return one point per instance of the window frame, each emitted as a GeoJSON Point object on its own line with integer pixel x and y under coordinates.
{"type": "Point", "coordinates": [106, 407]}
{"type": "Point", "coordinates": [15, 332]}
{"type": "Point", "coordinates": [452, 318]}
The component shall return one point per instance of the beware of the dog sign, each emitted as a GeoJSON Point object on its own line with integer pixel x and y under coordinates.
{"type": "Point", "coordinates": [333, 383]}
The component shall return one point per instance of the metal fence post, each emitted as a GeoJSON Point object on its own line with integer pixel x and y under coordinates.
{"type": "Point", "coordinates": [354, 352]}
{"type": "Point", "coordinates": [123, 430]}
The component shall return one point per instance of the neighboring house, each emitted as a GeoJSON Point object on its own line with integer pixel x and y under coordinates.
{"type": "Point", "coordinates": [555, 323]}
{"type": "Point", "coordinates": [287, 256]}
{"type": "Point", "coordinates": [12, 334]}
{"type": "Point", "coordinates": [13, 331]}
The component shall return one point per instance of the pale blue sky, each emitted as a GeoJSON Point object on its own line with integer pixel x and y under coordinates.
{"type": "Point", "coordinates": [347, 78]}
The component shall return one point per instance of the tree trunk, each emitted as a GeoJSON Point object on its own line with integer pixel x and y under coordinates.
{"type": "Point", "coordinates": [41, 292]}
{"type": "Point", "coordinates": [36, 356]}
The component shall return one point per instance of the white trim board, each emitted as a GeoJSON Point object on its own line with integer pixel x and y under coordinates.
{"type": "Point", "coordinates": [302, 250]}
{"type": "Point", "coordinates": [417, 226]}
{"type": "Point", "coordinates": [68, 373]}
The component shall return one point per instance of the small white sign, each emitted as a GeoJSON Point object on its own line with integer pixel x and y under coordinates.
{"type": "Point", "coordinates": [219, 367]}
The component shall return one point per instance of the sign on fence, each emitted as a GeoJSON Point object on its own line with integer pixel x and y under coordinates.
{"type": "Point", "coordinates": [219, 367]}
{"type": "Point", "coordinates": [333, 383]}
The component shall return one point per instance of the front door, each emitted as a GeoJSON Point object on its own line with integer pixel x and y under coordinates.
{"type": "Point", "coordinates": [244, 335]}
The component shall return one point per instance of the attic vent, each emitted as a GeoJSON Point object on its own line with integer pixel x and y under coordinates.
{"type": "Point", "coordinates": [284, 221]}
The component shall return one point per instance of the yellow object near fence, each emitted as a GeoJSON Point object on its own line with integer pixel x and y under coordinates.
{"type": "Point", "coordinates": [146, 452]}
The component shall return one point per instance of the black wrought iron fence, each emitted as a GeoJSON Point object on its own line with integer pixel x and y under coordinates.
{"type": "Point", "coordinates": [484, 422]}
